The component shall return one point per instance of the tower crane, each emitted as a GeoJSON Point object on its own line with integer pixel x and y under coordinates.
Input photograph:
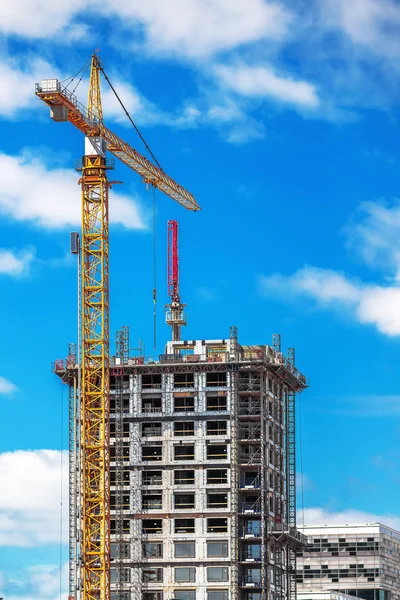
{"type": "Point", "coordinates": [94, 494]}
{"type": "Point", "coordinates": [175, 317]}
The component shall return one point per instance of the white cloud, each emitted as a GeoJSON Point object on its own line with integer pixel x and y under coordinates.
{"type": "Point", "coordinates": [37, 18]}
{"type": "Point", "coordinates": [372, 24]}
{"type": "Point", "coordinates": [15, 263]}
{"type": "Point", "coordinates": [324, 285]}
{"type": "Point", "coordinates": [322, 516]}
{"type": "Point", "coordinates": [198, 28]}
{"type": "Point", "coordinates": [304, 483]}
{"type": "Point", "coordinates": [18, 78]}
{"type": "Point", "coordinates": [244, 131]}
{"type": "Point", "coordinates": [374, 234]}
{"type": "Point", "coordinates": [191, 28]}
{"type": "Point", "coordinates": [32, 519]}
{"type": "Point", "coordinates": [356, 69]}
{"type": "Point", "coordinates": [143, 111]}
{"type": "Point", "coordinates": [41, 582]}
{"type": "Point", "coordinates": [51, 197]}
{"type": "Point", "coordinates": [7, 387]}
{"type": "Point", "coordinates": [262, 82]}
{"type": "Point", "coordinates": [370, 304]}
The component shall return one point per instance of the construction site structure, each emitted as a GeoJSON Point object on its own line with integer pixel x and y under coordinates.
{"type": "Point", "coordinates": [175, 316]}
{"type": "Point", "coordinates": [361, 560]}
{"type": "Point", "coordinates": [90, 576]}
{"type": "Point", "coordinates": [202, 455]}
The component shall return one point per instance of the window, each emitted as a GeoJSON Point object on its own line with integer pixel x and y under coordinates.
{"type": "Point", "coordinates": [151, 501]}
{"type": "Point", "coordinates": [120, 549]}
{"type": "Point", "coordinates": [252, 479]}
{"type": "Point", "coordinates": [216, 403]}
{"type": "Point", "coordinates": [217, 476]}
{"type": "Point", "coordinates": [123, 501]}
{"type": "Point", "coordinates": [151, 381]}
{"type": "Point", "coordinates": [152, 575]}
{"type": "Point", "coordinates": [185, 574]}
{"type": "Point", "coordinates": [253, 596]}
{"type": "Point", "coordinates": [124, 455]}
{"type": "Point", "coordinates": [252, 576]}
{"type": "Point", "coordinates": [184, 550]}
{"type": "Point", "coordinates": [184, 379]}
{"type": "Point", "coordinates": [184, 594]}
{"type": "Point", "coordinates": [183, 501]}
{"type": "Point", "coordinates": [152, 453]}
{"type": "Point", "coordinates": [217, 595]}
{"type": "Point", "coordinates": [250, 502]}
{"type": "Point", "coordinates": [252, 528]}
{"type": "Point", "coordinates": [217, 549]}
{"type": "Point", "coordinates": [184, 525]}
{"type": "Point", "coordinates": [152, 525]}
{"type": "Point", "coordinates": [217, 500]}
{"type": "Point", "coordinates": [152, 550]}
{"type": "Point", "coordinates": [184, 452]}
{"type": "Point", "coordinates": [125, 525]}
{"type": "Point", "coordinates": [124, 405]}
{"type": "Point", "coordinates": [217, 525]}
{"type": "Point", "coordinates": [125, 428]}
{"type": "Point", "coordinates": [216, 427]}
{"type": "Point", "coordinates": [125, 477]}
{"type": "Point", "coordinates": [120, 575]}
{"type": "Point", "coordinates": [216, 379]}
{"type": "Point", "coordinates": [152, 596]}
{"type": "Point", "coordinates": [184, 404]}
{"type": "Point", "coordinates": [120, 596]}
{"type": "Point", "coordinates": [183, 428]}
{"type": "Point", "coordinates": [217, 451]}
{"type": "Point", "coordinates": [184, 477]}
{"type": "Point", "coordinates": [151, 405]}
{"type": "Point", "coordinates": [152, 478]}
{"type": "Point", "coordinates": [217, 573]}
{"type": "Point", "coordinates": [252, 552]}
{"type": "Point", "coordinates": [151, 429]}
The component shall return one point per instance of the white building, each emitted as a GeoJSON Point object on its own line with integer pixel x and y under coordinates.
{"type": "Point", "coordinates": [359, 560]}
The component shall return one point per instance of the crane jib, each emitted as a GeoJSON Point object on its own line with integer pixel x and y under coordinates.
{"type": "Point", "coordinates": [65, 107]}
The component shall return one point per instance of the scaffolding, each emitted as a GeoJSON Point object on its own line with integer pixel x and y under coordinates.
{"type": "Point", "coordinates": [73, 471]}
{"type": "Point", "coordinates": [233, 378]}
{"type": "Point", "coordinates": [119, 490]}
{"type": "Point", "coordinates": [291, 478]}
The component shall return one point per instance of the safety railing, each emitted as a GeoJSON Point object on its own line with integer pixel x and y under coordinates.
{"type": "Point", "coordinates": [250, 507]}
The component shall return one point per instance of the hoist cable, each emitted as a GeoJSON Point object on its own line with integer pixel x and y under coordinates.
{"type": "Point", "coordinates": [155, 268]}
{"type": "Point", "coordinates": [61, 482]}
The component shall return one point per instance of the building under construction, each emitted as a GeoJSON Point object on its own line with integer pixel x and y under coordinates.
{"type": "Point", "coordinates": [202, 472]}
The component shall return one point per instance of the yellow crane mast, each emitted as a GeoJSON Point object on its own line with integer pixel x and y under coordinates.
{"type": "Point", "coordinates": [94, 495]}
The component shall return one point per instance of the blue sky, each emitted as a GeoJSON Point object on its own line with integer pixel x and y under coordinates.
{"type": "Point", "coordinates": [282, 119]}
